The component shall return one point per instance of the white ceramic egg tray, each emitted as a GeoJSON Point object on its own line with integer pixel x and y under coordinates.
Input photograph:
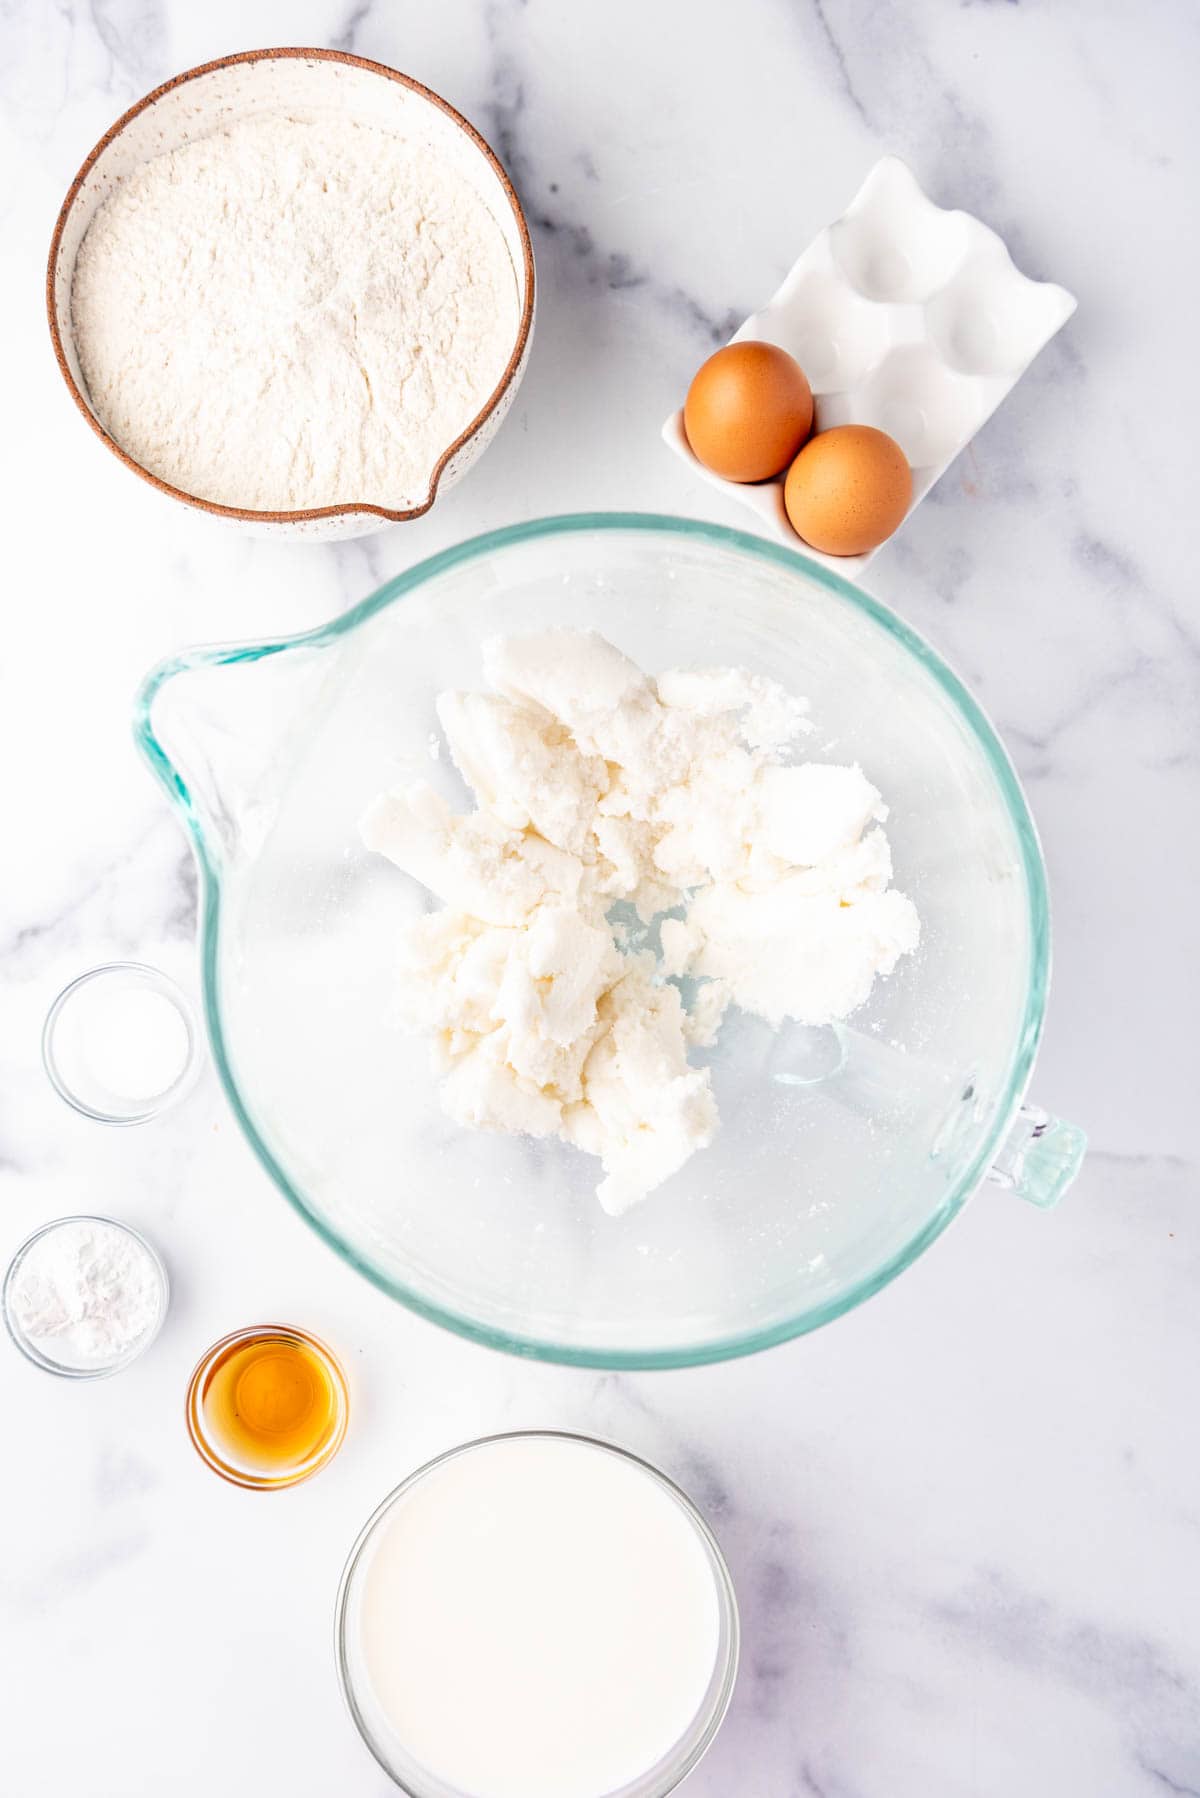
{"type": "Point", "coordinates": [903, 316]}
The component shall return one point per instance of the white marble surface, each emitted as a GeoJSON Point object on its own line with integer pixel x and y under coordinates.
{"type": "Point", "coordinates": [965, 1521]}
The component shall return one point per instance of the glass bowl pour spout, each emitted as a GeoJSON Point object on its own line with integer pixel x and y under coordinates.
{"type": "Point", "coordinates": [216, 726]}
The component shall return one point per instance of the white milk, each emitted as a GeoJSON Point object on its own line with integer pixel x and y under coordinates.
{"type": "Point", "coordinates": [536, 1617]}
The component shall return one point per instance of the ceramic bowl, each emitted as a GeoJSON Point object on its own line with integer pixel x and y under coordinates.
{"type": "Point", "coordinates": [208, 99]}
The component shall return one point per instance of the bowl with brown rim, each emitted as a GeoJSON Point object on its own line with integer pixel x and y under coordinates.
{"type": "Point", "coordinates": [211, 98]}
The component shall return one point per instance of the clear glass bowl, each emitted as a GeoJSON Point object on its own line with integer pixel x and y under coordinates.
{"type": "Point", "coordinates": [841, 1155]}
{"type": "Point", "coordinates": [380, 1737]}
{"type": "Point", "coordinates": [121, 1044]}
{"type": "Point", "coordinates": [219, 1452]}
{"type": "Point", "coordinates": [37, 1350]}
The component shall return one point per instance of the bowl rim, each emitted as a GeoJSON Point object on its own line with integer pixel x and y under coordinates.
{"type": "Point", "coordinates": [356, 508]}
{"type": "Point", "coordinates": [1026, 1038]}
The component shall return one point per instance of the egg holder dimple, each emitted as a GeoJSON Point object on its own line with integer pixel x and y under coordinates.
{"type": "Point", "coordinates": [904, 316]}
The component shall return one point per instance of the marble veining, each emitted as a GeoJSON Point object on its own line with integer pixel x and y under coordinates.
{"type": "Point", "coordinates": [964, 1522]}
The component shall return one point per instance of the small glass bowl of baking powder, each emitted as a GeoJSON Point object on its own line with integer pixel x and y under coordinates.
{"type": "Point", "coordinates": [84, 1296]}
{"type": "Point", "coordinates": [121, 1043]}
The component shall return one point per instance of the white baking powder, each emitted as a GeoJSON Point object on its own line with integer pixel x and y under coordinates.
{"type": "Point", "coordinates": [85, 1293]}
{"type": "Point", "coordinates": [294, 313]}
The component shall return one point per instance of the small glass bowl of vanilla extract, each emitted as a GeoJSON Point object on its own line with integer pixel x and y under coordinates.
{"type": "Point", "coordinates": [267, 1407]}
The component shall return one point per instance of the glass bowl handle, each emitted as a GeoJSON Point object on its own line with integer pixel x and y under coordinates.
{"type": "Point", "coordinates": [1039, 1158]}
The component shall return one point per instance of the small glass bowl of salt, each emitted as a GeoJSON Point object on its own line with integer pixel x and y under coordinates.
{"type": "Point", "coordinates": [84, 1296]}
{"type": "Point", "coordinates": [121, 1043]}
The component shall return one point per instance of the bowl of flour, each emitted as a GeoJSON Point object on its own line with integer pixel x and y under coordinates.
{"type": "Point", "coordinates": [293, 289]}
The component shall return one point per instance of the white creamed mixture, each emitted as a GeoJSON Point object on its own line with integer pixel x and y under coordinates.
{"type": "Point", "coordinates": [293, 313]}
{"type": "Point", "coordinates": [596, 785]}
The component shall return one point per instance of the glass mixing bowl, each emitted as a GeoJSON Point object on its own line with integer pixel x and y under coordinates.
{"type": "Point", "coordinates": [842, 1152]}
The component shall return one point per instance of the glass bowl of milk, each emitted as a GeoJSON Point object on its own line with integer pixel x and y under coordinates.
{"type": "Point", "coordinates": [537, 1615]}
{"type": "Point", "coordinates": [843, 1150]}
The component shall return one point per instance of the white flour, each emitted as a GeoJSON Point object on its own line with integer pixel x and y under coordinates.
{"type": "Point", "coordinates": [597, 786]}
{"type": "Point", "coordinates": [293, 313]}
{"type": "Point", "coordinates": [85, 1293]}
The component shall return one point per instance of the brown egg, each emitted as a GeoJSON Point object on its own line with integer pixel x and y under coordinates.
{"type": "Point", "coordinates": [848, 489]}
{"type": "Point", "coordinates": [748, 411]}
